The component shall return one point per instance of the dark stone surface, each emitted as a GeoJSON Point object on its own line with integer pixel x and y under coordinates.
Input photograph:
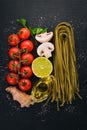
{"type": "Point", "coordinates": [44, 13]}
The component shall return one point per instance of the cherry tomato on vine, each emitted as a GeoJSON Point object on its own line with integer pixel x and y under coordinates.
{"type": "Point", "coordinates": [13, 39]}
{"type": "Point", "coordinates": [24, 33]}
{"type": "Point", "coordinates": [26, 46]}
{"type": "Point", "coordinates": [27, 58]}
{"type": "Point", "coordinates": [24, 84]}
{"type": "Point", "coordinates": [12, 78]}
{"type": "Point", "coordinates": [14, 65]}
{"type": "Point", "coordinates": [14, 52]}
{"type": "Point", "coordinates": [26, 71]}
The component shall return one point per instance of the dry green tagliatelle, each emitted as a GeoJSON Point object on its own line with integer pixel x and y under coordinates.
{"type": "Point", "coordinates": [65, 70]}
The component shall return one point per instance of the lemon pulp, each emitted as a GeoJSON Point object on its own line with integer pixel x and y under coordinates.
{"type": "Point", "coordinates": [42, 67]}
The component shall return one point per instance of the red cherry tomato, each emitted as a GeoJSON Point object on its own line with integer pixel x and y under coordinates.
{"type": "Point", "coordinates": [26, 71]}
{"type": "Point", "coordinates": [12, 78]}
{"type": "Point", "coordinates": [27, 58]}
{"type": "Point", "coordinates": [24, 33]}
{"type": "Point", "coordinates": [24, 84]}
{"type": "Point", "coordinates": [26, 46]}
{"type": "Point", "coordinates": [14, 52]}
{"type": "Point", "coordinates": [13, 39]}
{"type": "Point", "coordinates": [14, 65]}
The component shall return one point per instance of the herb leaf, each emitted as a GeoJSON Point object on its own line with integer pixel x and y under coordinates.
{"type": "Point", "coordinates": [22, 21]}
{"type": "Point", "coordinates": [38, 30]}
{"type": "Point", "coordinates": [44, 30]}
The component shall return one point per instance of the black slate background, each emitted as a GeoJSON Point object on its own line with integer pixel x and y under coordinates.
{"type": "Point", "coordinates": [44, 13]}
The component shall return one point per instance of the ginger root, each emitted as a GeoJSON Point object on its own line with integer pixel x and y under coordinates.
{"type": "Point", "coordinates": [22, 98]}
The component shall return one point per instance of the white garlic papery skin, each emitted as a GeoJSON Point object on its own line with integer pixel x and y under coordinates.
{"type": "Point", "coordinates": [45, 49]}
{"type": "Point", "coordinates": [44, 37]}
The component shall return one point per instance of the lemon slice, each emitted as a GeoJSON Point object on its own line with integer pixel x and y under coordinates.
{"type": "Point", "coordinates": [42, 67]}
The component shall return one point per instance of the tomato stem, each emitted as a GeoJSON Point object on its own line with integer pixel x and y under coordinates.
{"type": "Point", "coordinates": [19, 64]}
{"type": "Point", "coordinates": [24, 83]}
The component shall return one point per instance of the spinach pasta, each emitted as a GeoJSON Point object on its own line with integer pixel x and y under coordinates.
{"type": "Point", "coordinates": [65, 70]}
